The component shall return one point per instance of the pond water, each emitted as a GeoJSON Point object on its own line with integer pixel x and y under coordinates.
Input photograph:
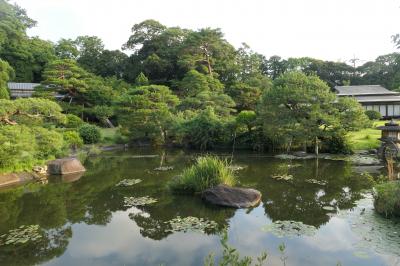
{"type": "Point", "coordinates": [84, 221]}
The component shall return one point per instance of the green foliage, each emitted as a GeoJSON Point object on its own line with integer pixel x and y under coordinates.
{"type": "Point", "coordinates": [6, 73]}
{"type": "Point", "coordinates": [247, 119]}
{"type": "Point", "coordinates": [66, 77]}
{"type": "Point", "coordinates": [387, 198]}
{"type": "Point", "coordinates": [21, 147]}
{"type": "Point", "coordinates": [73, 139]}
{"type": "Point", "coordinates": [141, 80]}
{"type": "Point", "coordinates": [146, 112]}
{"type": "Point", "coordinates": [337, 143]}
{"type": "Point", "coordinates": [205, 130]}
{"type": "Point", "coordinates": [89, 133]}
{"type": "Point", "coordinates": [373, 115]}
{"type": "Point", "coordinates": [30, 111]}
{"type": "Point", "coordinates": [301, 109]}
{"type": "Point", "coordinates": [73, 121]}
{"type": "Point", "coordinates": [207, 172]}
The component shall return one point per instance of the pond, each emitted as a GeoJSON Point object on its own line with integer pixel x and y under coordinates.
{"type": "Point", "coordinates": [120, 212]}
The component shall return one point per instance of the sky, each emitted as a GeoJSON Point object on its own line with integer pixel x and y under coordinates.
{"type": "Point", "coordinates": [336, 30]}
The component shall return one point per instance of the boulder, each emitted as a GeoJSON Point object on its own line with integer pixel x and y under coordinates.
{"type": "Point", "coordinates": [65, 166]}
{"type": "Point", "coordinates": [223, 195]}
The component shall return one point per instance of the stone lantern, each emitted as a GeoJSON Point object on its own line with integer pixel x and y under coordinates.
{"type": "Point", "coordinates": [390, 139]}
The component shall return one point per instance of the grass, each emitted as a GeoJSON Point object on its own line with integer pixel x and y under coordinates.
{"type": "Point", "coordinates": [387, 198]}
{"type": "Point", "coordinates": [366, 139]}
{"type": "Point", "coordinates": [112, 136]}
{"type": "Point", "coordinates": [207, 172]}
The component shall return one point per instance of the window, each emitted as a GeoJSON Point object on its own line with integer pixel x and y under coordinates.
{"type": "Point", "coordinates": [390, 110]}
{"type": "Point", "coordinates": [396, 110]}
{"type": "Point", "coordinates": [382, 110]}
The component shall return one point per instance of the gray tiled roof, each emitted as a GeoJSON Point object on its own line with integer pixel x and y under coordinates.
{"type": "Point", "coordinates": [363, 90]}
{"type": "Point", "coordinates": [378, 98]}
{"type": "Point", "coordinates": [22, 86]}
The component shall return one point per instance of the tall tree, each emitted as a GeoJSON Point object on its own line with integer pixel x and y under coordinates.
{"type": "Point", "coordinates": [146, 112]}
{"type": "Point", "coordinates": [301, 109]}
{"type": "Point", "coordinates": [66, 49]}
{"type": "Point", "coordinates": [90, 49]}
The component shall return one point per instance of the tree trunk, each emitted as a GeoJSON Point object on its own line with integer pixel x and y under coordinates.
{"type": "Point", "coordinates": [316, 146]}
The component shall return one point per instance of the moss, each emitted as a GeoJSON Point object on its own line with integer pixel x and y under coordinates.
{"type": "Point", "coordinates": [209, 171]}
{"type": "Point", "coordinates": [387, 198]}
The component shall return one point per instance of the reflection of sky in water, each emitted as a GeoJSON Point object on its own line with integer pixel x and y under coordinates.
{"type": "Point", "coordinates": [120, 243]}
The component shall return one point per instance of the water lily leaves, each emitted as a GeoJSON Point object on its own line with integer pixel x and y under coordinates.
{"type": "Point", "coordinates": [235, 167]}
{"type": "Point", "coordinates": [289, 229]}
{"type": "Point", "coordinates": [282, 177]}
{"type": "Point", "coordinates": [315, 181]}
{"type": "Point", "coordinates": [372, 230]}
{"type": "Point", "coordinates": [128, 182]}
{"type": "Point", "coordinates": [164, 168]}
{"type": "Point", "coordinates": [138, 201]}
{"type": "Point", "coordinates": [21, 235]}
{"type": "Point", "coordinates": [190, 223]}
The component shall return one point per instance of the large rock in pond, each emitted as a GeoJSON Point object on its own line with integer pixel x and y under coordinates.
{"type": "Point", "coordinates": [65, 166]}
{"type": "Point", "coordinates": [223, 195]}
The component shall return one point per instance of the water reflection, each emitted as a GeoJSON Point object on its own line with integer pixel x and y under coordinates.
{"type": "Point", "coordinates": [78, 210]}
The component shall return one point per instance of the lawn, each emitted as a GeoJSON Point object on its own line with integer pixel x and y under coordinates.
{"type": "Point", "coordinates": [367, 138]}
{"type": "Point", "coordinates": [108, 135]}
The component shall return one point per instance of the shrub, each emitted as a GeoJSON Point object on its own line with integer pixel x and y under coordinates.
{"type": "Point", "coordinates": [208, 172]}
{"type": "Point", "coordinates": [73, 139]}
{"type": "Point", "coordinates": [387, 198]}
{"type": "Point", "coordinates": [73, 121]}
{"type": "Point", "coordinates": [89, 133]}
{"type": "Point", "coordinates": [22, 147]}
{"type": "Point", "coordinates": [373, 115]}
{"type": "Point", "coordinates": [337, 144]}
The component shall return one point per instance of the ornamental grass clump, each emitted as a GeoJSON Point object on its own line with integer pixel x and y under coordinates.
{"type": "Point", "coordinates": [387, 198]}
{"type": "Point", "coordinates": [207, 172]}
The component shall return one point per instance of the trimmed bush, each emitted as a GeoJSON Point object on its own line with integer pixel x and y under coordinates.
{"type": "Point", "coordinates": [387, 198]}
{"type": "Point", "coordinates": [89, 133]}
{"type": "Point", "coordinates": [373, 115]}
{"type": "Point", "coordinates": [209, 171]}
{"type": "Point", "coordinates": [73, 121]}
{"type": "Point", "coordinates": [73, 139]}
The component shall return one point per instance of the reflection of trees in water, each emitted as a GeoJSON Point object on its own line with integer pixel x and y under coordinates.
{"type": "Point", "coordinates": [153, 219]}
{"type": "Point", "coordinates": [301, 201]}
{"type": "Point", "coordinates": [93, 198]}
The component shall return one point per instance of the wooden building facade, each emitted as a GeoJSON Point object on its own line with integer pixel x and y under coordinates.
{"type": "Point", "coordinates": [373, 97]}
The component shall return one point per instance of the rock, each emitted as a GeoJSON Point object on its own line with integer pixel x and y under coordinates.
{"type": "Point", "coordinates": [40, 169]}
{"type": "Point", "coordinates": [65, 166]}
{"type": "Point", "coordinates": [223, 195]}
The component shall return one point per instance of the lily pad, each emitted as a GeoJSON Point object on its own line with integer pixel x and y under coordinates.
{"type": "Point", "coordinates": [164, 168]}
{"type": "Point", "coordinates": [282, 177]}
{"type": "Point", "coordinates": [289, 229]}
{"type": "Point", "coordinates": [21, 235]}
{"type": "Point", "coordinates": [371, 229]}
{"type": "Point", "coordinates": [191, 223]}
{"type": "Point", "coordinates": [315, 181]}
{"type": "Point", "coordinates": [235, 167]}
{"type": "Point", "coordinates": [139, 201]}
{"type": "Point", "coordinates": [128, 182]}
